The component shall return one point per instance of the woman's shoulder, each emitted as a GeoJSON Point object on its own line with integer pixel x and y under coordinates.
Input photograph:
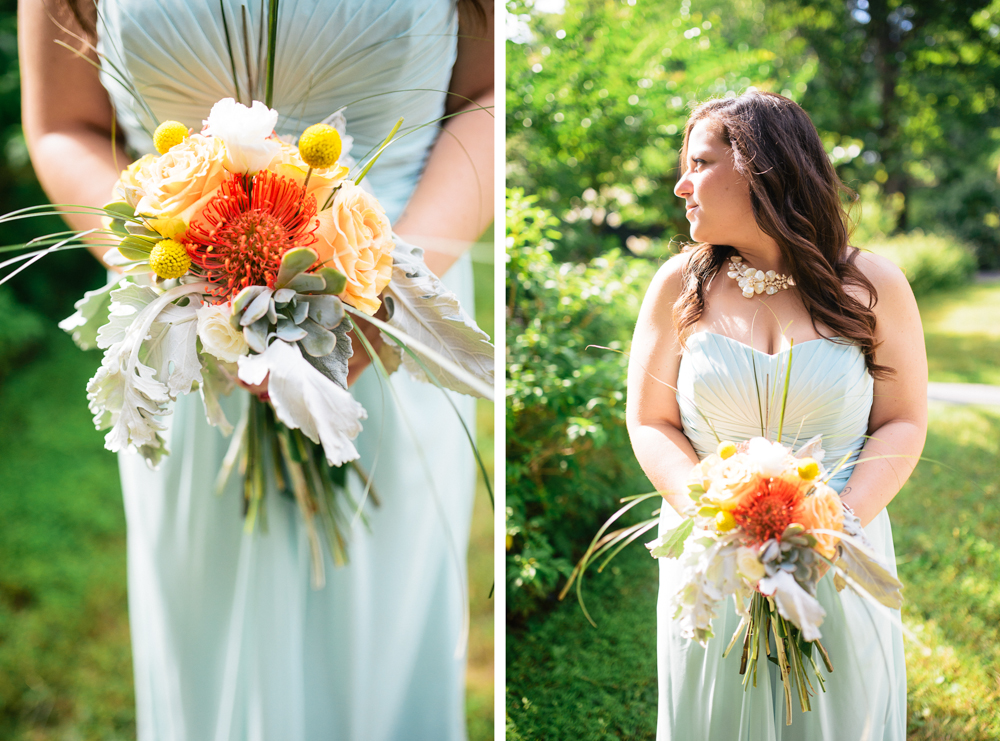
{"type": "Point", "coordinates": [885, 276]}
{"type": "Point", "coordinates": [669, 278]}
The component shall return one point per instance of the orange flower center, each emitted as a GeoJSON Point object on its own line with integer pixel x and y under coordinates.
{"type": "Point", "coordinates": [246, 229]}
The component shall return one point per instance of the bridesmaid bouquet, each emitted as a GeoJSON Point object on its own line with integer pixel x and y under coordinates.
{"type": "Point", "coordinates": [245, 257]}
{"type": "Point", "coordinates": [763, 527]}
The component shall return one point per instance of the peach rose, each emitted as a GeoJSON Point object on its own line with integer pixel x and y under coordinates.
{"type": "Point", "coordinates": [321, 182]}
{"type": "Point", "coordinates": [127, 188]}
{"type": "Point", "coordinates": [178, 184]}
{"type": "Point", "coordinates": [732, 481]}
{"type": "Point", "coordinates": [822, 510]}
{"type": "Point", "coordinates": [355, 237]}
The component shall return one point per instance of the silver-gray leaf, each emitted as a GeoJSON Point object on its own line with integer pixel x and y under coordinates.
{"type": "Point", "coordinates": [318, 341]}
{"type": "Point", "coordinates": [426, 310]}
{"type": "Point", "coordinates": [289, 331]}
{"type": "Point", "coordinates": [257, 308]}
{"type": "Point", "coordinates": [325, 310]}
{"type": "Point", "coordinates": [334, 364]}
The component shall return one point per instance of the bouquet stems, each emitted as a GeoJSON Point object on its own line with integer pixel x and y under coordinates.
{"type": "Point", "coordinates": [300, 471]}
{"type": "Point", "coordinates": [765, 622]}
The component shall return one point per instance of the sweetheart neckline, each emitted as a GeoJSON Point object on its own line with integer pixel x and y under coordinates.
{"type": "Point", "coordinates": [761, 352]}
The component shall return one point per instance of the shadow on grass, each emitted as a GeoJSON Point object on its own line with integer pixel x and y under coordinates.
{"type": "Point", "coordinates": [946, 525]}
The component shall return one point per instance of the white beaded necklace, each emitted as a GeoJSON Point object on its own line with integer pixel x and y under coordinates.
{"type": "Point", "coordinates": [754, 281]}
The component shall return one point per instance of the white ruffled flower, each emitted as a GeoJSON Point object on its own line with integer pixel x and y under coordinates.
{"type": "Point", "coordinates": [770, 459]}
{"type": "Point", "coordinates": [218, 335]}
{"type": "Point", "coordinates": [245, 133]}
{"type": "Point", "coordinates": [709, 577]}
{"type": "Point", "coordinates": [749, 565]}
{"type": "Point", "coordinates": [794, 603]}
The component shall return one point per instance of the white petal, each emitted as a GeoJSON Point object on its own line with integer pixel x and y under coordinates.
{"type": "Point", "coordinates": [794, 603]}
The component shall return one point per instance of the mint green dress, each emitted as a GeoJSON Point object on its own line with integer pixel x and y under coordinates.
{"type": "Point", "coordinates": [701, 695]}
{"type": "Point", "coordinates": [230, 641]}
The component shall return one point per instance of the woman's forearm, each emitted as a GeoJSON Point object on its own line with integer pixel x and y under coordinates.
{"type": "Point", "coordinates": [885, 463]}
{"type": "Point", "coordinates": [453, 202]}
{"type": "Point", "coordinates": [666, 457]}
{"type": "Point", "coordinates": [78, 168]}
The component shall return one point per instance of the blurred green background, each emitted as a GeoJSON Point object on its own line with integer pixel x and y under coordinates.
{"type": "Point", "coordinates": [904, 95]}
{"type": "Point", "coordinates": [65, 657]}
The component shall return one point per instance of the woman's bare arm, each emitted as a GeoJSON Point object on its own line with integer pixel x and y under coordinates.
{"type": "Point", "coordinates": [453, 202]}
{"type": "Point", "coordinates": [898, 421]}
{"type": "Point", "coordinates": [66, 113]}
{"type": "Point", "coordinates": [652, 414]}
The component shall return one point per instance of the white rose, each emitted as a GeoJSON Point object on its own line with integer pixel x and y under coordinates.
{"type": "Point", "coordinates": [749, 565]}
{"type": "Point", "coordinates": [218, 336]}
{"type": "Point", "coordinates": [770, 459]}
{"type": "Point", "coordinates": [245, 133]}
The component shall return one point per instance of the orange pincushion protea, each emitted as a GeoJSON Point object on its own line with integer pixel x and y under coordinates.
{"type": "Point", "coordinates": [769, 510]}
{"type": "Point", "coordinates": [246, 228]}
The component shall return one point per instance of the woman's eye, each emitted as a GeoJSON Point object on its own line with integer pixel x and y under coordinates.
{"type": "Point", "coordinates": [698, 162]}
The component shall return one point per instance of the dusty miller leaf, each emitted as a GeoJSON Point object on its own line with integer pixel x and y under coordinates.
{"type": "Point", "coordinates": [305, 399]}
{"type": "Point", "coordinates": [422, 307]}
{"type": "Point", "coordinates": [671, 543]}
{"type": "Point", "coordinates": [91, 312]}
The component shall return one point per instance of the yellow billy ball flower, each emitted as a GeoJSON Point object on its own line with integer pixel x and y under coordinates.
{"type": "Point", "coordinates": [808, 469]}
{"type": "Point", "coordinates": [319, 146]}
{"type": "Point", "coordinates": [169, 259]}
{"type": "Point", "coordinates": [724, 521]}
{"type": "Point", "coordinates": [726, 449]}
{"type": "Point", "coordinates": [169, 134]}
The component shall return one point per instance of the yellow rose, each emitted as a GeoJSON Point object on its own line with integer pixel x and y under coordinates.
{"type": "Point", "coordinates": [355, 237]}
{"type": "Point", "coordinates": [822, 510]}
{"type": "Point", "coordinates": [290, 164]}
{"type": "Point", "coordinates": [178, 184]}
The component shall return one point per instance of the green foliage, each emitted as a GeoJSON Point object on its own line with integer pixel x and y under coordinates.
{"type": "Point", "coordinates": [962, 334]}
{"type": "Point", "coordinates": [65, 660]}
{"type": "Point", "coordinates": [565, 401]}
{"type": "Point", "coordinates": [905, 98]}
{"type": "Point", "coordinates": [930, 261]}
{"type": "Point", "coordinates": [21, 331]}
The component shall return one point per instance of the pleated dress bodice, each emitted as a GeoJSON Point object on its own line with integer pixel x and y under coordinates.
{"type": "Point", "coordinates": [730, 390]}
{"type": "Point", "coordinates": [379, 60]}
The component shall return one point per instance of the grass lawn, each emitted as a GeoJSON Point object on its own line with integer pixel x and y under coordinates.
{"type": "Point", "coordinates": [962, 331]}
{"type": "Point", "coordinates": [567, 680]}
{"type": "Point", "coordinates": [65, 656]}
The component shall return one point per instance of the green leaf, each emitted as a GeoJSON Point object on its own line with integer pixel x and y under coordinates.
{"type": "Point", "coordinates": [336, 281]}
{"type": "Point", "coordinates": [671, 544]}
{"type": "Point", "coordinates": [136, 248]}
{"type": "Point", "coordinates": [294, 262]}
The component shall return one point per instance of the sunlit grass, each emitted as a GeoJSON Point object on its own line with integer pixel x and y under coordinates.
{"type": "Point", "coordinates": [962, 331]}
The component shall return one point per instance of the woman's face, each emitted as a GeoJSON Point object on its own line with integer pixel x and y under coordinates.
{"type": "Point", "coordinates": [717, 196]}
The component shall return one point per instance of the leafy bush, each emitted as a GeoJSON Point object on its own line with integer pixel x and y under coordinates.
{"type": "Point", "coordinates": [565, 400]}
{"type": "Point", "coordinates": [930, 261]}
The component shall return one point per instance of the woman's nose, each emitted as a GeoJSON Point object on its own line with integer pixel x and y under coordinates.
{"type": "Point", "coordinates": [683, 187]}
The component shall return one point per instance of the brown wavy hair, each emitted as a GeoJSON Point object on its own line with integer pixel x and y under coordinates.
{"type": "Point", "coordinates": [796, 199]}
